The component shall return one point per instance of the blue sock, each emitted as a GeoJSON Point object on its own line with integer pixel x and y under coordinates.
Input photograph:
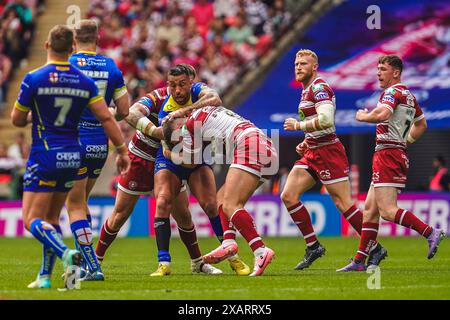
{"type": "Point", "coordinates": [83, 236]}
{"type": "Point", "coordinates": [89, 219]}
{"type": "Point", "coordinates": [49, 256]}
{"type": "Point", "coordinates": [48, 236]}
{"type": "Point", "coordinates": [163, 256]}
{"type": "Point", "coordinates": [162, 234]}
{"type": "Point", "coordinates": [217, 227]}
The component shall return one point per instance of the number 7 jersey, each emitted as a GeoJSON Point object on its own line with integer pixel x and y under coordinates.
{"type": "Point", "coordinates": [405, 109]}
{"type": "Point", "coordinates": [57, 94]}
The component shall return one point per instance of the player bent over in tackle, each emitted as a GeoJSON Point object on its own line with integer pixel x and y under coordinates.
{"type": "Point", "coordinates": [400, 122]}
{"type": "Point", "coordinates": [56, 152]}
{"type": "Point", "coordinates": [323, 158]}
{"type": "Point", "coordinates": [139, 181]}
{"type": "Point", "coordinates": [254, 159]}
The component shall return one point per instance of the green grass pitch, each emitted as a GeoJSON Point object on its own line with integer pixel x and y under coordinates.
{"type": "Point", "coordinates": [405, 274]}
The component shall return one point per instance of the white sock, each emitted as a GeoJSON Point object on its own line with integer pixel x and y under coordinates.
{"type": "Point", "coordinates": [260, 251]}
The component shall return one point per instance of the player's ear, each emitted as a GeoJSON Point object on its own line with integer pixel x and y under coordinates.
{"type": "Point", "coordinates": [316, 66]}
{"type": "Point", "coordinates": [47, 45]}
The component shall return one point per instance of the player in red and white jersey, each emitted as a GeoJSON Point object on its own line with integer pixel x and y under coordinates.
{"type": "Point", "coordinates": [253, 159]}
{"type": "Point", "coordinates": [323, 159]}
{"type": "Point", "coordinates": [400, 122]}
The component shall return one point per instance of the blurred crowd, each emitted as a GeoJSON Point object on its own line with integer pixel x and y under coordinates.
{"type": "Point", "coordinates": [220, 38]}
{"type": "Point", "coordinates": [13, 159]}
{"type": "Point", "coordinates": [17, 21]}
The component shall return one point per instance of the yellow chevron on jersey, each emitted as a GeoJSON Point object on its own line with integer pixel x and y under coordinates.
{"type": "Point", "coordinates": [172, 105]}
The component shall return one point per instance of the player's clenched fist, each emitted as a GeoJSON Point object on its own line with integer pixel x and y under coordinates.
{"type": "Point", "coordinates": [360, 114]}
{"type": "Point", "coordinates": [290, 124]}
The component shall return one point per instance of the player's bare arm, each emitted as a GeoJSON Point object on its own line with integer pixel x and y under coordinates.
{"type": "Point", "coordinates": [207, 97]}
{"type": "Point", "coordinates": [417, 130]}
{"type": "Point", "coordinates": [122, 107]}
{"type": "Point", "coordinates": [137, 118]}
{"type": "Point", "coordinates": [324, 120]}
{"type": "Point", "coordinates": [377, 115]}
{"type": "Point", "coordinates": [20, 118]}
{"type": "Point", "coordinates": [112, 130]}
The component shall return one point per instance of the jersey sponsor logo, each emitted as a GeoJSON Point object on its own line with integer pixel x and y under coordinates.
{"type": "Point", "coordinates": [82, 171]}
{"type": "Point", "coordinates": [388, 98]}
{"type": "Point", "coordinates": [170, 107]}
{"type": "Point", "coordinates": [69, 184]}
{"type": "Point", "coordinates": [43, 183]}
{"type": "Point", "coordinates": [97, 148]}
{"type": "Point", "coordinates": [389, 91]}
{"type": "Point", "coordinates": [81, 62]}
{"type": "Point", "coordinates": [301, 115]}
{"type": "Point", "coordinates": [325, 174]}
{"type": "Point", "coordinates": [53, 77]}
{"type": "Point", "coordinates": [376, 176]}
{"type": "Point", "coordinates": [132, 185]}
{"type": "Point", "coordinates": [321, 95]}
{"type": "Point", "coordinates": [317, 87]}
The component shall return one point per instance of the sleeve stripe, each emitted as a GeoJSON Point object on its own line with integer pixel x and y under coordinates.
{"type": "Point", "coordinates": [95, 99]}
{"type": "Point", "coordinates": [120, 93]}
{"type": "Point", "coordinates": [120, 89]}
{"type": "Point", "coordinates": [21, 107]}
{"type": "Point", "coordinates": [388, 107]}
{"type": "Point", "coordinates": [419, 117]}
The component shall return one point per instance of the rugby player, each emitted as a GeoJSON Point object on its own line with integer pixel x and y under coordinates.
{"type": "Point", "coordinates": [400, 122]}
{"type": "Point", "coordinates": [57, 95]}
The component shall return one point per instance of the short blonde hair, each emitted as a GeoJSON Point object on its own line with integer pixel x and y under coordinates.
{"type": "Point", "coordinates": [307, 52]}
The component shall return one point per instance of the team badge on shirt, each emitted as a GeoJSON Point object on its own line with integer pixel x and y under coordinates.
{"type": "Point", "coordinates": [81, 62]}
{"type": "Point", "coordinates": [53, 77]}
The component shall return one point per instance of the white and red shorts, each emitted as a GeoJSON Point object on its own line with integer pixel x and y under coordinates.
{"type": "Point", "coordinates": [255, 154]}
{"type": "Point", "coordinates": [140, 177]}
{"type": "Point", "coordinates": [327, 163]}
{"type": "Point", "coordinates": [389, 168]}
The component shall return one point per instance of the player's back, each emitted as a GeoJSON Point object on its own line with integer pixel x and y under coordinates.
{"type": "Point", "coordinates": [57, 95]}
{"type": "Point", "coordinates": [405, 110]}
{"type": "Point", "coordinates": [217, 122]}
{"type": "Point", "coordinates": [108, 78]}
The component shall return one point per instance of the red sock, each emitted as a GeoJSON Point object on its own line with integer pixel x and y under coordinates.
{"type": "Point", "coordinates": [229, 232]}
{"type": "Point", "coordinates": [302, 219]}
{"type": "Point", "coordinates": [354, 216]}
{"type": "Point", "coordinates": [189, 238]}
{"type": "Point", "coordinates": [107, 236]}
{"type": "Point", "coordinates": [409, 220]}
{"type": "Point", "coordinates": [369, 232]}
{"type": "Point", "coordinates": [244, 223]}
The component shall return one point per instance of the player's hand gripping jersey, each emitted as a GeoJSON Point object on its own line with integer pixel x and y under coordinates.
{"type": "Point", "coordinates": [390, 161]}
{"type": "Point", "coordinates": [57, 95]}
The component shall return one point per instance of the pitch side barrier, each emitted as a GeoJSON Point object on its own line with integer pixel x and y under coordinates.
{"type": "Point", "coordinates": [270, 216]}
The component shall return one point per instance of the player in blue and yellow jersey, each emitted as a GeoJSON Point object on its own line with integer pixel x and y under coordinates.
{"type": "Point", "coordinates": [94, 141]}
{"type": "Point", "coordinates": [169, 177]}
{"type": "Point", "coordinates": [56, 95]}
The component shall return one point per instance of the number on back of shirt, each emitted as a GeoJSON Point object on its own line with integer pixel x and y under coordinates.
{"type": "Point", "coordinates": [65, 104]}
